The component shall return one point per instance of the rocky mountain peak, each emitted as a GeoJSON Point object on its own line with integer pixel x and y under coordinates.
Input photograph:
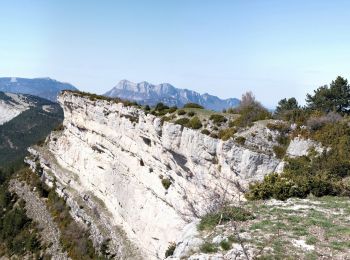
{"type": "Point", "coordinates": [147, 93]}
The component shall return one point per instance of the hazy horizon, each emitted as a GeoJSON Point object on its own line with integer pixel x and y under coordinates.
{"type": "Point", "coordinates": [273, 48]}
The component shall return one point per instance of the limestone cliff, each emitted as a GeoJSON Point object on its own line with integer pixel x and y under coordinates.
{"type": "Point", "coordinates": [114, 164]}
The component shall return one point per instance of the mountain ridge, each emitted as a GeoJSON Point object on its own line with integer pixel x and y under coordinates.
{"type": "Point", "coordinates": [146, 93]}
{"type": "Point", "coordinates": [42, 87]}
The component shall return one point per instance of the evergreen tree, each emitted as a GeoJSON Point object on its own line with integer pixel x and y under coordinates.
{"type": "Point", "coordinates": [286, 105]}
{"type": "Point", "coordinates": [335, 98]}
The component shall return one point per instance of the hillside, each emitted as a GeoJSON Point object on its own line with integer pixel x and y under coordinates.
{"type": "Point", "coordinates": [42, 87]}
{"type": "Point", "coordinates": [182, 186]}
{"type": "Point", "coordinates": [123, 181]}
{"type": "Point", "coordinates": [146, 93]}
{"type": "Point", "coordinates": [26, 120]}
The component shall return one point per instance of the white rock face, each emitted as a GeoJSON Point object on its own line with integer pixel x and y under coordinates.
{"type": "Point", "coordinates": [299, 147]}
{"type": "Point", "coordinates": [15, 105]}
{"type": "Point", "coordinates": [119, 156]}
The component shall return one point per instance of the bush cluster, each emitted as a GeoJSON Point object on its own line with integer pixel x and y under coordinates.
{"type": "Point", "coordinates": [181, 112]}
{"type": "Point", "coordinates": [205, 132]}
{"type": "Point", "coordinates": [250, 114]}
{"type": "Point", "coordinates": [194, 122]}
{"type": "Point", "coordinates": [240, 140]}
{"type": "Point", "coordinates": [322, 174]}
{"type": "Point", "coordinates": [316, 174]}
{"type": "Point", "coordinates": [226, 134]}
{"type": "Point", "coordinates": [193, 105]}
{"type": "Point", "coordinates": [191, 113]}
{"type": "Point", "coordinates": [182, 121]}
{"type": "Point", "coordinates": [218, 119]}
{"type": "Point", "coordinates": [317, 120]}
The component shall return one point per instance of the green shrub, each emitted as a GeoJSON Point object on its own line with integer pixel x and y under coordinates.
{"type": "Point", "coordinates": [280, 151]}
{"type": "Point", "coordinates": [166, 183]}
{"type": "Point", "coordinates": [320, 175]}
{"type": "Point", "coordinates": [182, 121]}
{"type": "Point", "coordinates": [217, 118]}
{"type": "Point", "coordinates": [170, 250]}
{"type": "Point", "coordinates": [240, 140]}
{"type": "Point", "coordinates": [250, 114]}
{"type": "Point", "coordinates": [225, 245]}
{"type": "Point", "coordinates": [225, 214]}
{"type": "Point", "coordinates": [165, 119]}
{"type": "Point", "coordinates": [195, 123]}
{"type": "Point", "coordinates": [181, 112]}
{"type": "Point", "coordinates": [161, 112]}
{"type": "Point", "coordinates": [226, 134]}
{"type": "Point", "coordinates": [208, 248]}
{"type": "Point", "coordinates": [147, 108]}
{"type": "Point", "coordinates": [191, 113]}
{"type": "Point", "coordinates": [205, 132]}
{"type": "Point", "coordinates": [213, 135]}
{"type": "Point", "coordinates": [283, 140]}
{"type": "Point", "coordinates": [172, 109]}
{"type": "Point", "coordinates": [231, 123]}
{"type": "Point", "coordinates": [193, 105]}
{"type": "Point", "coordinates": [160, 107]}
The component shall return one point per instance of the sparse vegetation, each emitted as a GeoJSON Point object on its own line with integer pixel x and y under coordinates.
{"type": "Point", "coordinates": [276, 226]}
{"type": "Point", "coordinates": [225, 245]}
{"type": "Point", "coordinates": [95, 97]}
{"type": "Point", "coordinates": [225, 214]}
{"type": "Point", "coordinates": [208, 247]}
{"type": "Point", "coordinates": [19, 235]}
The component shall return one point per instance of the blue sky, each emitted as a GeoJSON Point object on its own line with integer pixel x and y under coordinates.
{"type": "Point", "coordinates": [274, 48]}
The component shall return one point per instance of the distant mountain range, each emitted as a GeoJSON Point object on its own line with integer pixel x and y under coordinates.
{"type": "Point", "coordinates": [42, 87]}
{"type": "Point", "coordinates": [146, 93]}
{"type": "Point", "coordinates": [24, 120]}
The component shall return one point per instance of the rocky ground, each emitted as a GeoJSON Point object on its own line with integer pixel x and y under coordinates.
{"type": "Point", "coordinates": [313, 228]}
